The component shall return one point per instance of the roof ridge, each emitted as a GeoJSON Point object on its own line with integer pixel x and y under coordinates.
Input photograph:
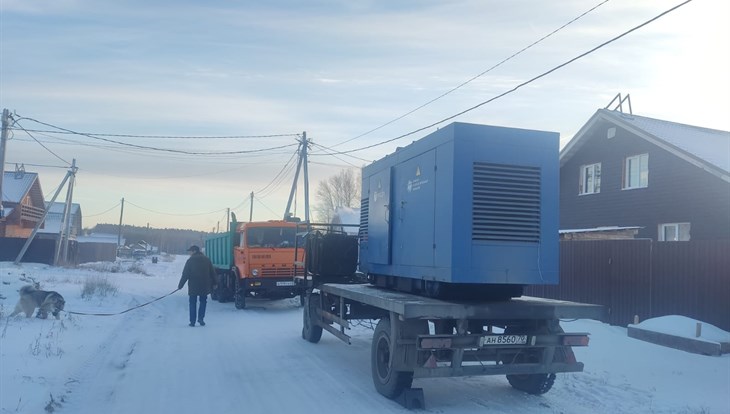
{"type": "Point", "coordinates": [625, 115]}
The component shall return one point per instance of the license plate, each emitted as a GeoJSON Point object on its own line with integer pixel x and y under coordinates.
{"type": "Point", "coordinates": [491, 340]}
{"type": "Point", "coordinates": [288, 283]}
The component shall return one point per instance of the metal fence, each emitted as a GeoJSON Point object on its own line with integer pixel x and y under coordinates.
{"type": "Point", "coordinates": [645, 278]}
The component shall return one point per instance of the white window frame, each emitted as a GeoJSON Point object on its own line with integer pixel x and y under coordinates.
{"type": "Point", "coordinates": [679, 234]}
{"type": "Point", "coordinates": [589, 184]}
{"type": "Point", "coordinates": [636, 172]}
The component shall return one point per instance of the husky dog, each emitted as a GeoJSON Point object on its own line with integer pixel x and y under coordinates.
{"type": "Point", "coordinates": [45, 301]}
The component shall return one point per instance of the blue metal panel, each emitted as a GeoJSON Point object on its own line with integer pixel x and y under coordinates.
{"type": "Point", "coordinates": [379, 218]}
{"type": "Point", "coordinates": [414, 202]}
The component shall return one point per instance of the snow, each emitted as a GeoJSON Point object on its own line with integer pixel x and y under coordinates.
{"type": "Point", "coordinates": [684, 327]}
{"type": "Point", "coordinates": [254, 361]}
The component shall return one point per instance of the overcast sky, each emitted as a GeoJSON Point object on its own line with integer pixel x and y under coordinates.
{"type": "Point", "coordinates": [335, 69]}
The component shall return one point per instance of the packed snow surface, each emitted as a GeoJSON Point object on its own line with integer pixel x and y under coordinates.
{"type": "Point", "coordinates": [149, 360]}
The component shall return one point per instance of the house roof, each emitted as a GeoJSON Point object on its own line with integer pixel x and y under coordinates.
{"type": "Point", "coordinates": [99, 238]}
{"type": "Point", "coordinates": [58, 207]}
{"type": "Point", "coordinates": [706, 148]}
{"type": "Point", "coordinates": [55, 217]}
{"type": "Point", "coordinates": [15, 187]}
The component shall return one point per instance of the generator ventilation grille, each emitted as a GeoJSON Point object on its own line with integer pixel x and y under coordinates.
{"type": "Point", "coordinates": [364, 213]}
{"type": "Point", "coordinates": [506, 205]}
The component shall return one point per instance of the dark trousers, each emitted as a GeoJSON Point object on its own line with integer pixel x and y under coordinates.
{"type": "Point", "coordinates": [201, 309]}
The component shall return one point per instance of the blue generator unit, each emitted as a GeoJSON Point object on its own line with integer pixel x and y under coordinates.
{"type": "Point", "coordinates": [469, 211]}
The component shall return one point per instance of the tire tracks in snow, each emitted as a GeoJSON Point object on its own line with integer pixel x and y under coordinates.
{"type": "Point", "coordinates": [111, 358]}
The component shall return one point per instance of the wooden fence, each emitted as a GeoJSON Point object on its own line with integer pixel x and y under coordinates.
{"type": "Point", "coordinates": [645, 278]}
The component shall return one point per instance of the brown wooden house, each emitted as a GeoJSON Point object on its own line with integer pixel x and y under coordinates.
{"type": "Point", "coordinates": [22, 202]}
{"type": "Point", "coordinates": [671, 180]}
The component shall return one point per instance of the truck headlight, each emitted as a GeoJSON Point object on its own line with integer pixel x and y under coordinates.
{"type": "Point", "coordinates": [255, 272]}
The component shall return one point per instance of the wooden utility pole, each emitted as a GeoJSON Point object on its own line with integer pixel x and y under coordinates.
{"type": "Point", "coordinates": [119, 235]}
{"type": "Point", "coordinates": [3, 140]}
{"type": "Point", "coordinates": [250, 212]}
{"type": "Point", "coordinates": [303, 146]}
{"type": "Point", "coordinates": [61, 255]}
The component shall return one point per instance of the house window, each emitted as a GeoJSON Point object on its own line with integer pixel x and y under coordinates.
{"type": "Point", "coordinates": [636, 171]}
{"type": "Point", "coordinates": [590, 179]}
{"type": "Point", "coordinates": [674, 232]}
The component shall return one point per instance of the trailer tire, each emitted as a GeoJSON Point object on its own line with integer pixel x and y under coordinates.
{"type": "Point", "coordinates": [239, 296]}
{"type": "Point", "coordinates": [388, 382]}
{"type": "Point", "coordinates": [536, 384]}
{"type": "Point", "coordinates": [310, 330]}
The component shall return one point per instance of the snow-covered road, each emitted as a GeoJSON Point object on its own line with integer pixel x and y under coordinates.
{"type": "Point", "coordinates": [254, 361]}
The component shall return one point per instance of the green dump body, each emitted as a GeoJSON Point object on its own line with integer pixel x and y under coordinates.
{"type": "Point", "coordinates": [219, 247]}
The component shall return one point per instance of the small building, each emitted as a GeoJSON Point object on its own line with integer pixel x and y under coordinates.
{"type": "Point", "coordinates": [97, 247]}
{"type": "Point", "coordinates": [669, 180]}
{"type": "Point", "coordinates": [54, 220]}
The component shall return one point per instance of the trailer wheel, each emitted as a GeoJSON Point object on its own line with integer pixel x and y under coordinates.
{"type": "Point", "coordinates": [536, 384]}
{"type": "Point", "coordinates": [239, 295]}
{"type": "Point", "coordinates": [387, 381]}
{"type": "Point", "coordinates": [310, 330]}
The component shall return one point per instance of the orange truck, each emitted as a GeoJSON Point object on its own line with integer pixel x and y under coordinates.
{"type": "Point", "coordinates": [255, 260]}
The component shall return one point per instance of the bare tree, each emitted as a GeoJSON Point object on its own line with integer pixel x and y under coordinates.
{"type": "Point", "coordinates": [341, 190]}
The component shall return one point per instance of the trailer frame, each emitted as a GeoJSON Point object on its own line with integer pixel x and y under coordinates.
{"type": "Point", "coordinates": [428, 338]}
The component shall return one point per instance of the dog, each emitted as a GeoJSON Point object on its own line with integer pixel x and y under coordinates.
{"type": "Point", "coordinates": [46, 301]}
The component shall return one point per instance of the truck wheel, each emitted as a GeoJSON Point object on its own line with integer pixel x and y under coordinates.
{"type": "Point", "coordinates": [222, 291]}
{"type": "Point", "coordinates": [239, 295]}
{"type": "Point", "coordinates": [387, 381]}
{"type": "Point", "coordinates": [215, 293]}
{"type": "Point", "coordinates": [310, 330]}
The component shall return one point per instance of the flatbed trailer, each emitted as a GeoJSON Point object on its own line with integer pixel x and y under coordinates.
{"type": "Point", "coordinates": [421, 337]}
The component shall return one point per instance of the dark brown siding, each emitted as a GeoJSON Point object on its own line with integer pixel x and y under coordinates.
{"type": "Point", "coordinates": [678, 191]}
{"type": "Point", "coordinates": [645, 278]}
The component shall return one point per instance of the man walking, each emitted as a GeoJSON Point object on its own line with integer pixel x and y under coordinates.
{"type": "Point", "coordinates": [201, 277]}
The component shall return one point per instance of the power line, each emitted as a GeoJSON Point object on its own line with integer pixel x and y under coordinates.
{"type": "Point", "coordinates": [328, 152]}
{"type": "Point", "coordinates": [477, 76]}
{"type": "Point", "coordinates": [167, 136]}
{"type": "Point", "coordinates": [279, 182]}
{"type": "Point", "coordinates": [39, 165]}
{"type": "Point", "coordinates": [521, 84]}
{"type": "Point", "coordinates": [279, 173]}
{"type": "Point", "coordinates": [265, 206]}
{"type": "Point", "coordinates": [103, 212]}
{"type": "Point", "coordinates": [40, 143]}
{"type": "Point", "coordinates": [157, 148]}
{"type": "Point", "coordinates": [172, 214]}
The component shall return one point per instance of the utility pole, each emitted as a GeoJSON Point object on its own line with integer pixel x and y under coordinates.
{"type": "Point", "coordinates": [303, 146]}
{"type": "Point", "coordinates": [42, 219]}
{"type": "Point", "coordinates": [306, 177]}
{"type": "Point", "coordinates": [3, 140]}
{"type": "Point", "coordinates": [250, 212]}
{"type": "Point", "coordinates": [228, 219]}
{"type": "Point", "coordinates": [64, 235]}
{"type": "Point", "coordinates": [119, 235]}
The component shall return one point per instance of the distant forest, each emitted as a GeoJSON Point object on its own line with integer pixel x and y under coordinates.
{"type": "Point", "coordinates": [175, 241]}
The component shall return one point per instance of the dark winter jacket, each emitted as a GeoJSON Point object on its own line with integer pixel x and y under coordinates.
{"type": "Point", "coordinates": [200, 275]}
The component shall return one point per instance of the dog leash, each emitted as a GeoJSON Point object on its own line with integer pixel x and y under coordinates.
{"type": "Point", "coordinates": [124, 311]}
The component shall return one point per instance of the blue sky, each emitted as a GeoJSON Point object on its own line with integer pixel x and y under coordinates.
{"type": "Point", "coordinates": [335, 69]}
